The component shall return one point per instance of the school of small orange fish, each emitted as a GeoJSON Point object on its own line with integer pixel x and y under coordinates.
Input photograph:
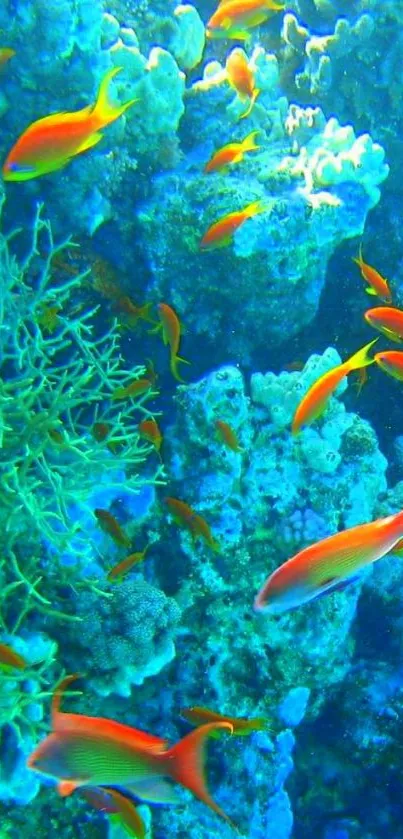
{"type": "Point", "coordinates": [96, 755]}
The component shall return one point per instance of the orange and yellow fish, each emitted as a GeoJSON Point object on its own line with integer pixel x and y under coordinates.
{"type": "Point", "coordinates": [185, 516]}
{"type": "Point", "coordinates": [49, 143]}
{"type": "Point", "coordinates": [171, 335]}
{"type": "Point", "coordinates": [5, 54]}
{"type": "Point", "coordinates": [136, 388]}
{"type": "Point", "coordinates": [111, 526]}
{"type": "Point", "coordinates": [220, 234]}
{"type": "Point", "coordinates": [231, 153]}
{"type": "Point", "coordinates": [242, 79]}
{"type": "Point", "coordinates": [85, 751]}
{"type": "Point", "coordinates": [121, 568]}
{"type": "Point", "coordinates": [329, 565]}
{"type": "Point", "coordinates": [387, 320]}
{"type": "Point", "coordinates": [315, 400]}
{"type": "Point", "coordinates": [198, 715]}
{"type": "Point", "coordinates": [10, 660]}
{"type": "Point", "coordinates": [234, 18]}
{"type": "Point", "coordinates": [227, 435]}
{"type": "Point", "coordinates": [149, 430]}
{"type": "Point", "coordinates": [391, 362]}
{"type": "Point", "coordinates": [377, 284]}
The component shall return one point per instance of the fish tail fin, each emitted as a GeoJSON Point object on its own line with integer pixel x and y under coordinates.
{"type": "Point", "coordinates": [58, 696]}
{"type": "Point", "coordinates": [252, 101]}
{"type": "Point", "coordinates": [185, 763]}
{"type": "Point", "coordinates": [249, 144]}
{"type": "Point", "coordinates": [361, 358]}
{"type": "Point", "coordinates": [358, 259]}
{"type": "Point", "coordinates": [105, 110]}
{"type": "Point", "coordinates": [174, 366]}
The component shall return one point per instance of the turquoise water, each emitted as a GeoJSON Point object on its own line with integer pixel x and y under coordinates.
{"type": "Point", "coordinates": [185, 193]}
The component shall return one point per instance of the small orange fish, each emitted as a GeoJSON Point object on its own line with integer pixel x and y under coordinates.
{"type": "Point", "coordinates": [151, 373]}
{"type": "Point", "coordinates": [111, 526]}
{"type": "Point", "coordinates": [315, 400]}
{"type": "Point", "coordinates": [197, 526]}
{"type": "Point", "coordinates": [240, 15]}
{"type": "Point", "coordinates": [100, 431]}
{"type": "Point", "coordinates": [10, 660]}
{"type": "Point", "coordinates": [121, 568]}
{"type": "Point", "coordinates": [49, 143]}
{"type": "Point", "coordinates": [391, 362]}
{"type": "Point", "coordinates": [231, 153]}
{"type": "Point", "coordinates": [48, 318]}
{"type": "Point", "coordinates": [128, 814]}
{"type": "Point", "coordinates": [84, 751]}
{"type": "Point", "coordinates": [198, 715]}
{"type": "Point", "coordinates": [219, 234]}
{"type": "Point", "coordinates": [134, 313]}
{"type": "Point", "coordinates": [5, 54]}
{"type": "Point", "coordinates": [227, 435]}
{"type": "Point", "coordinates": [377, 284]}
{"type": "Point", "coordinates": [136, 388]}
{"type": "Point", "coordinates": [329, 565]}
{"type": "Point", "coordinates": [56, 436]}
{"type": "Point", "coordinates": [149, 430]}
{"type": "Point", "coordinates": [242, 79]}
{"type": "Point", "coordinates": [171, 335]}
{"type": "Point", "coordinates": [388, 320]}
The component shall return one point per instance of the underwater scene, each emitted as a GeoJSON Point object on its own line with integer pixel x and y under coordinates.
{"type": "Point", "coordinates": [201, 419]}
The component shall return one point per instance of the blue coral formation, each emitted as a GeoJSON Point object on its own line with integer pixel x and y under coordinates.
{"type": "Point", "coordinates": [264, 315]}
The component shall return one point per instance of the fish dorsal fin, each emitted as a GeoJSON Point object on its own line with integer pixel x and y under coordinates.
{"type": "Point", "coordinates": [57, 699]}
{"type": "Point", "coordinates": [64, 117]}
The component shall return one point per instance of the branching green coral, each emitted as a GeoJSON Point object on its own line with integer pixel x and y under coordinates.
{"type": "Point", "coordinates": [57, 377]}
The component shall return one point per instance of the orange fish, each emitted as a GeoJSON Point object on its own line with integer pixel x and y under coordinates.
{"type": "Point", "coordinates": [48, 318]}
{"type": "Point", "coordinates": [389, 321]}
{"type": "Point", "coordinates": [10, 660]}
{"type": "Point", "coordinates": [391, 362]}
{"type": "Point", "coordinates": [197, 526]}
{"type": "Point", "coordinates": [134, 313]}
{"type": "Point", "coordinates": [242, 79]}
{"type": "Point", "coordinates": [231, 153]}
{"type": "Point", "coordinates": [56, 436]}
{"type": "Point", "coordinates": [377, 284]}
{"type": "Point", "coordinates": [330, 564]}
{"type": "Point", "coordinates": [227, 435]}
{"type": "Point", "coordinates": [151, 373]}
{"type": "Point", "coordinates": [118, 571]}
{"type": "Point", "coordinates": [112, 802]}
{"type": "Point", "coordinates": [198, 715]}
{"type": "Point", "coordinates": [136, 388]}
{"type": "Point", "coordinates": [315, 400]}
{"type": "Point", "coordinates": [100, 431]}
{"type": "Point", "coordinates": [238, 16]}
{"type": "Point", "coordinates": [49, 143]}
{"type": "Point", "coordinates": [85, 751]}
{"type": "Point", "coordinates": [171, 335]}
{"type": "Point", "coordinates": [150, 431]}
{"type": "Point", "coordinates": [5, 54]}
{"type": "Point", "coordinates": [220, 234]}
{"type": "Point", "coordinates": [111, 526]}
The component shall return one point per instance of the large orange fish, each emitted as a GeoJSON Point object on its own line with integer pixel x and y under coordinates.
{"type": "Point", "coordinates": [86, 751]}
{"type": "Point", "coordinates": [220, 234]}
{"type": "Point", "coordinates": [315, 400]}
{"type": "Point", "coordinates": [49, 143]}
{"type": "Point", "coordinates": [231, 153]}
{"type": "Point", "coordinates": [171, 335]}
{"type": "Point", "coordinates": [242, 79]}
{"type": "Point", "coordinates": [198, 715]}
{"type": "Point", "coordinates": [329, 564]}
{"type": "Point", "coordinates": [388, 320]}
{"type": "Point", "coordinates": [377, 284]}
{"type": "Point", "coordinates": [235, 17]}
{"type": "Point", "coordinates": [391, 362]}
